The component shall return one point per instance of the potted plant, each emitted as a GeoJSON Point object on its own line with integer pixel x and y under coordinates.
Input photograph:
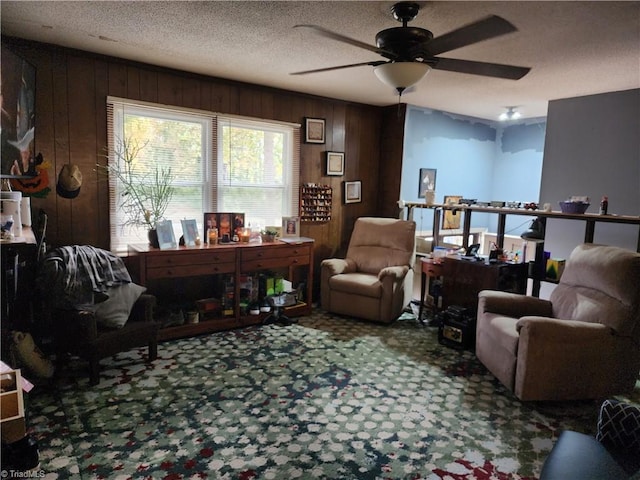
{"type": "Point", "coordinates": [144, 196]}
{"type": "Point", "coordinates": [269, 235]}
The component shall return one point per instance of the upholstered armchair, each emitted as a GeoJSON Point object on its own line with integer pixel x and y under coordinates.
{"type": "Point", "coordinates": [584, 342]}
{"type": "Point", "coordinates": [375, 279]}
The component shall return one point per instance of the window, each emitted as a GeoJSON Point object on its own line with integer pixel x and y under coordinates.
{"type": "Point", "coordinates": [219, 164]}
{"type": "Point", "coordinates": [256, 174]}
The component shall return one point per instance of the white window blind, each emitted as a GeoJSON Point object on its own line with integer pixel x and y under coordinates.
{"type": "Point", "coordinates": [258, 170]}
{"type": "Point", "coordinates": [220, 164]}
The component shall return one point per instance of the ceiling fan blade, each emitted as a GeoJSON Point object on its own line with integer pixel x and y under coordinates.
{"type": "Point", "coordinates": [344, 39]}
{"type": "Point", "coordinates": [328, 69]}
{"type": "Point", "coordinates": [490, 27]}
{"type": "Point", "coordinates": [480, 68]}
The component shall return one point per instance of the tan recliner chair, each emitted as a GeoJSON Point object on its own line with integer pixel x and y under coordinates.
{"type": "Point", "coordinates": [375, 280]}
{"type": "Point", "coordinates": [584, 342]}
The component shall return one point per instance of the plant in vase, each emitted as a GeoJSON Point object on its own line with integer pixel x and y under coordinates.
{"type": "Point", "coordinates": [144, 196]}
{"type": "Point", "coordinates": [268, 235]}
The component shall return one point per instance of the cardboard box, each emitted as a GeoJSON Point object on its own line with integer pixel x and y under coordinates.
{"type": "Point", "coordinates": [554, 269]}
{"type": "Point", "coordinates": [12, 422]}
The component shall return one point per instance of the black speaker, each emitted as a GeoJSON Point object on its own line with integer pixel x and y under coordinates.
{"type": "Point", "coordinates": [457, 328]}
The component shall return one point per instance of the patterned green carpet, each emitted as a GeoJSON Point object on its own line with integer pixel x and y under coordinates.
{"type": "Point", "coordinates": [326, 398]}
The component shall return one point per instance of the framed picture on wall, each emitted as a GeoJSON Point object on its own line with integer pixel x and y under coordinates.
{"type": "Point", "coordinates": [314, 130]}
{"type": "Point", "coordinates": [451, 219]}
{"type": "Point", "coordinates": [353, 192]}
{"type": "Point", "coordinates": [427, 181]}
{"type": "Point", "coordinates": [335, 163]}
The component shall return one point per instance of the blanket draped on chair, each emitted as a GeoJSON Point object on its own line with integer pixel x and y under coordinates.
{"type": "Point", "coordinates": [79, 275]}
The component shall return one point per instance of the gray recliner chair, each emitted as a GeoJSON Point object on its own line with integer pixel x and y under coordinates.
{"type": "Point", "coordinates": [375, 280]}
{"type": "Point", "coordinates": [584, 342]}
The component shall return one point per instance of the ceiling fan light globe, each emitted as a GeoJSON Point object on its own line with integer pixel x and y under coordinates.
{"type": "Point", "coordinates": [401, 75]}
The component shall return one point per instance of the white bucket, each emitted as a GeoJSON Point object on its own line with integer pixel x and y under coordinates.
{"type": "Point", "coordinates": [25, 211]}
{"type": "Point", "coordinates": [12, 207]}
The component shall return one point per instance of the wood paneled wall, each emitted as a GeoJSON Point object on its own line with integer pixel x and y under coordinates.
{"type": "Point", "coordinates": [72, 87]}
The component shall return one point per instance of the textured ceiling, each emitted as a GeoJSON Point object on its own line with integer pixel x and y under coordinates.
{"type": "Point", "coordinates": [573, 48]}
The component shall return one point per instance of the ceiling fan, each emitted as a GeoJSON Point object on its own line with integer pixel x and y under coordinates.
{"type": "Point", "coordinates": [410, 52]}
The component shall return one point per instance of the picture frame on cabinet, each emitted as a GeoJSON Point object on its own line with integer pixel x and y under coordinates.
{"type": "Point", "coordinates": [314, 130]}
{"type": "Point", "coordinates": [166, 236]}
{"type": "Point", "coordinates": [353, 192]}
{"type": "Point", "coordinates": [335, 163]}
{"type": "Point", "coordinates": [290, 227]}
{"type": "Point", "coordinates": [189, 232]}
{"type": "Point", "coordinates": [451, 219]}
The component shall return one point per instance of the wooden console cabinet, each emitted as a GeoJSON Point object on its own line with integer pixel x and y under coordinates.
{"type": "Point", "coordinates": [189, 271]}
{"type": "Point", "coordinates": [464, 279]}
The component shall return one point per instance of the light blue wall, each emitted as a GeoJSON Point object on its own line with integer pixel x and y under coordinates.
{"type": "Point", "coordinates": [517, 169]}
{"type": "Point", "coordinates": [474, 158]}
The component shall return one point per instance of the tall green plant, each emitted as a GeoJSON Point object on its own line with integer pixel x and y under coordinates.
{"type": "Point", "coordinates": [144, 196]}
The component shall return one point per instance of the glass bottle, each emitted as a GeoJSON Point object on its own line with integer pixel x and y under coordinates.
{"type": "Point", "coordinates": [604, 205]}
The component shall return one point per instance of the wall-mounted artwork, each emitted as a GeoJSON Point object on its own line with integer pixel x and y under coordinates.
{"type": "Point", "coordinates": [18, 115]}
{"type": "Point", "coordinates": [353, 192]}
{"type": "Point", "coordinates": [451, 219]}
{"type": "Point", "coordinates": [427, 181]}
{"type": "Point", "coordinates": [335, 163]}
{"type": "Point", "coordinates": [314, 130]}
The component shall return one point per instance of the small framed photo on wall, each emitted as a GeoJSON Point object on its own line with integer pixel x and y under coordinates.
{"type": "Point", "coordinates": [427, 181]}
{"type": "Point", "coordinates": [335, 163]}
{"type": "Point", "coordinates": [353, 192]}
{"type": "Point", "coordinates": [290, 227]}
{"type": "Point", "coordinates": [314, 130]}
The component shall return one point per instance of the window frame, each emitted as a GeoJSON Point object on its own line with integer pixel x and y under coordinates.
{"type": "Point", "coordinates": [210, 155]}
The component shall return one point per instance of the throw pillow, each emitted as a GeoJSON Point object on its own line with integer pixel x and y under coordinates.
{"type": "Point", "coordinates": [619, 425]}
{"type": "Point", "coordinates": [114, 312]}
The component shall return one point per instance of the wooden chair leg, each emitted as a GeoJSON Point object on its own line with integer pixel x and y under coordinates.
{"type": "Point", "coordinates": [94, 371]}
{"type": "Point", "coordinates": [153, 350]}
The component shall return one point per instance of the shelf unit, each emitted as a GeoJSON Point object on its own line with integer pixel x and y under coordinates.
{"type": "Point", "coordinates": [184, 267]}
{"type": "Point", "coordinates": [590, 220]}
{"type": "Point", "coordinates": [315, 202]}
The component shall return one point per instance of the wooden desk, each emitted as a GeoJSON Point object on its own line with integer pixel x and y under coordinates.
{"type": "Point", "coordinates": [464, 279]}
{"type": "Point", "coordinates": [187, 268]}
{"type": "Point", "coordinates": [431, 268]}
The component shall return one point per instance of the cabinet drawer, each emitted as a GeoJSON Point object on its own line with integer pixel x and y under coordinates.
{"type": "Point", "coordinates": [282, 251]}
{"type": "Point", "coordinates": [266, 263]}
{"type": "Point", "coordinates": [191, 258]}
{"type": "Point", "coordinates": [179, 271]}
